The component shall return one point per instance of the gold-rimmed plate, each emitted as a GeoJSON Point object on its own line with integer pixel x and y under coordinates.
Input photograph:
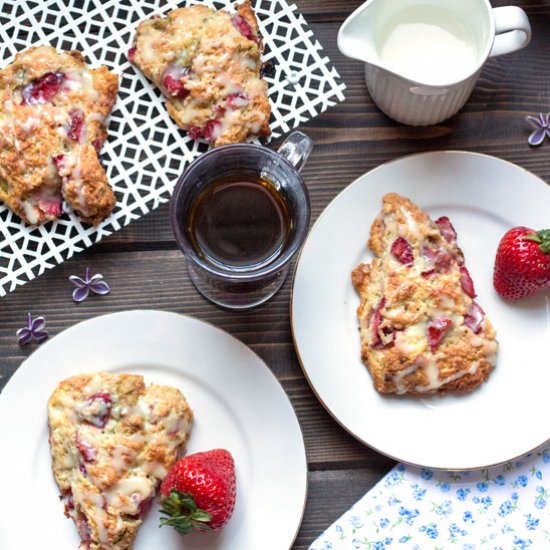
{"type": "Point", "coordinates": [237, 402]}
{"type": "Point", "coordinates": [505, 417]}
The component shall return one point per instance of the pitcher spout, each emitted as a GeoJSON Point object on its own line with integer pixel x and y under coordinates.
{"type": "Point", "coordinates": [357, 38]}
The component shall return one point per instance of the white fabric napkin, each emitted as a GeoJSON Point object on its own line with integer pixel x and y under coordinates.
{"type": "Point", "coordinates": [500, 508]}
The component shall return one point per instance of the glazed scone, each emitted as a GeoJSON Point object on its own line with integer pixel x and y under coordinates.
{"type": "Point", "coordinates": [421, 329]}
{"type": "Point", "coordinates": [112, 441]}
{"type": "Point", "coordinates": [53, 110]}
{"type": "Point", "coordinates": [208, 66]}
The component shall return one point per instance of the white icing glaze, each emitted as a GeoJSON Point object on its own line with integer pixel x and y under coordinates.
{"type": "Point", "coordinates": [121, 457]}
{"type": "Point", "coordinates": [127, 487]}
{"type": "Point", "coordinates": [412, 224]}
{"type": "Point", "coordinates": [31, 123]}
{"type": "Point", "coordinates": [432, 373]}
{"type": "Point", "coordinates": [30, 211]}
{"type": "Point", "coordinates": [98, 516]}
{"type": "Point", "coordinates": [409, 343]}
{"type": "Point", "coordinates": [397, 379]}
{"type": "Point", "coordinates": [97, 117]}
{"type": "Point", "coordinates": [476, 341]}
{"type": "Point", "coordinates": [94, 385]}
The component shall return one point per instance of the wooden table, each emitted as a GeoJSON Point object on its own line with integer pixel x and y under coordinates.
{"type": "Point", "coordinates": [146, 270]}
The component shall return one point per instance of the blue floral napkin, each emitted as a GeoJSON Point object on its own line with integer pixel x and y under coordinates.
{"type": "Point", "coordinates": [499, 508]}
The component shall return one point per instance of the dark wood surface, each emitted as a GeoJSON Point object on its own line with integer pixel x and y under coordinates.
{"type": "Point", "coordinates": [146, 270]}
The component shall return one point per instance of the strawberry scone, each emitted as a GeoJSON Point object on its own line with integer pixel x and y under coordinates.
{"type": "Point", "coordinates": [208, 65]}
{"type": "Point", "coordinates": [53, 110]}
{"type": "Point", "coordinates": [113, 441]}
{"type": "Point", "coordinates": [421, 329]}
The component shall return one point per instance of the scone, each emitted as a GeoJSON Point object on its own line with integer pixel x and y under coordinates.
{"type": "Point", "coordinates": [53, 110]}
{"type": "Point", "coordinates": [112, 441]}
{"type": "Point", "coordinates": [208, 66]}
{"type": "Point", "coordinates": [421, 329]}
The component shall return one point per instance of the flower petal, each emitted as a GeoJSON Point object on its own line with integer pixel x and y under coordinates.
{"type": "Point", "coordinates": [100, 287]}
{"type": "Point", "coordinates": [543, 122]}
{"type": "Point", "coordinates": [80, 294]}
{"type": "Point", "coordinates": [24, 336]}
{"type": "Point", "coordinates": [40, 334]}
{"type": "Point", "coordinates": [78, 281]}
{"type": "Point", "coordinates": [38, 324]}
{"type": "Point", "coordinates": [537, 137]}
{"type": "Point", "coordinates": [96, 278]}
{"type": "Point", "coordinates": [534, 121]}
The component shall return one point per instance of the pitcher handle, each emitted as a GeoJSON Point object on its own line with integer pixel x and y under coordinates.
{"type": "Point", "coordinates": [296, 149]}
{"type": "Point", "coordinates": [512, 30]}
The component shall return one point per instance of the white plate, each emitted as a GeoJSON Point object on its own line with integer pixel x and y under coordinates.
{"type": "Point", "coordinates": [238, 405]}
{"type": "Point", "coordinates": [504, 418]}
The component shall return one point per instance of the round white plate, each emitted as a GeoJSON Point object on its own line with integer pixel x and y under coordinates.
{"type": "Point", "coordinates": [238, 405]}
{"type": "Point", "coordinates": [504, 418]}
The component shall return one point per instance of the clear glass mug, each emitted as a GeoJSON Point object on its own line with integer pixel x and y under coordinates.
{"type": "Point", "coordinates": [244, 287]}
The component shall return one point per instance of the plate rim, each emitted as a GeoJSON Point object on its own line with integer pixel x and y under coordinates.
{"type": "Point", "coordinates": [242, 345]}
{"type": "Point", "coordinates": [355, 182]}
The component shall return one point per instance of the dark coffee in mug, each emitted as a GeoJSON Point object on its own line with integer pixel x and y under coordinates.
{"type": "Point", "coordinates": [240, 213]}
{"type": "Point", "coordinates": [239, 223]}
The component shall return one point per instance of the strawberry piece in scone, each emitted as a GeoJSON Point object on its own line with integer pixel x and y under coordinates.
{"type": "Point", "coordinates": [208, 66]}
{"type": "Point", "coordinates": [421, 330]}
{"type": "Point", "coordinates": [53, 112]}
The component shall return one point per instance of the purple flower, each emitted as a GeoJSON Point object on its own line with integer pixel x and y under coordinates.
{"type": "Point", "coordinates": [35, 330]}
{"type": "Point", "coordinates": [96, 284]}
{"type": "Point", "coordinates": [542, 128]}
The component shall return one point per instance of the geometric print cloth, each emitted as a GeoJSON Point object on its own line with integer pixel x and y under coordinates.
{"type": "Point", "coordinates": [145, 152]}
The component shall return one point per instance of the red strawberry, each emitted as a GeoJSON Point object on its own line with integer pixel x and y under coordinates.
{"type": "Point", "coordinates": [402, 251]}
{"type": "Point", "coordinates": [43, 89]}
{"type": "Point", "coordinates": [522, 263]}
{"type": "Point", "coordinates": [466, 282]}
{"type": "Point", "coordinates": [436, 331]}
{"type": "Point", "coordinates": [244, 27]}
{"type": "Point", "coordinates": [199, 492]}
{"type": "Point", "coordinates": [447, 229]}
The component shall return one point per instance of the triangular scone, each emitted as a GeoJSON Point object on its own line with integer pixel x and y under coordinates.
{"type": "Point", "coordinates": [421, 330]}
{"type": "Point", "coordinates": [208, 65]}
{"type": "Point", "coordinates": [53, 112]}
{"type": "Point", "coordinates": [112, 441]}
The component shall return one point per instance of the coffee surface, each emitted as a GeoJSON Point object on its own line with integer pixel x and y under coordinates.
{"type": "Point", "coordinates": [239, 224]}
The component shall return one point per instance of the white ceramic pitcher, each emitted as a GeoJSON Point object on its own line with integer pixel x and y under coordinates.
{"type": "Point", "coordinates": [420, 101]}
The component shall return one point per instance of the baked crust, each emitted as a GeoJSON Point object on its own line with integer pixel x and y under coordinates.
{"type": "Point", "coordinates": [208, 66]}
{"type": "Point", "coordinates": [421, 330]}
{"type": "Point", "coordinates": [112, 441]}
{"type": "Point", "coordinates": [53, 110]}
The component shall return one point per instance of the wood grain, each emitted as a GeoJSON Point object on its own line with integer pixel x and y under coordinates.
{"type": "Point", "coordinates": [146, 270]}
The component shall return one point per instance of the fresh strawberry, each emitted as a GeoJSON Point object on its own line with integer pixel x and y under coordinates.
{"type": "Point", "coordinates": [199, 492]}
{"type": "Point", "coordinates": [522, 263]}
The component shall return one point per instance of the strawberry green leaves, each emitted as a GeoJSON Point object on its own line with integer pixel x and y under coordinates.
{"type": "Point", "coordinates": [183, 514]}
{"type": "Point", "coordinates": [543, 238]}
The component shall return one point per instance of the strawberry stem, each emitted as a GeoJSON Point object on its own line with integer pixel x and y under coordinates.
{"type": "Point", "coordinates": [543, 238]}
{"type": "Point", "coordinates": [183, 514]}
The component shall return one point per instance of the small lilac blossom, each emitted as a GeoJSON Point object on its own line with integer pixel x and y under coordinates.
{"type": "Point", "coordinates": [95, 283]}
{"type": "Point", "coordinates": [35, 330]}
{"type": "Point", "coordinates": [542, 128]}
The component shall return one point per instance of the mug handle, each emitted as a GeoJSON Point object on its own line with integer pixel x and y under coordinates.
{"type": "Point", "coordinates": [296, 149]}
{"type": "Point", "coordinates": [512, 30]}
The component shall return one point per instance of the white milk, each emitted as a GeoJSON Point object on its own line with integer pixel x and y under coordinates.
{"type": "Point", "coordinates": [427, 44]}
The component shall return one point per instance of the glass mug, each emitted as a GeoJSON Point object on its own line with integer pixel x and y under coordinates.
{"type": "Point", "coordinates": [239, 214]}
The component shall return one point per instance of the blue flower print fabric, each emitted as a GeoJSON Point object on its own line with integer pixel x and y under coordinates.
{"type": "Point", "coordinates": [500, 508]}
